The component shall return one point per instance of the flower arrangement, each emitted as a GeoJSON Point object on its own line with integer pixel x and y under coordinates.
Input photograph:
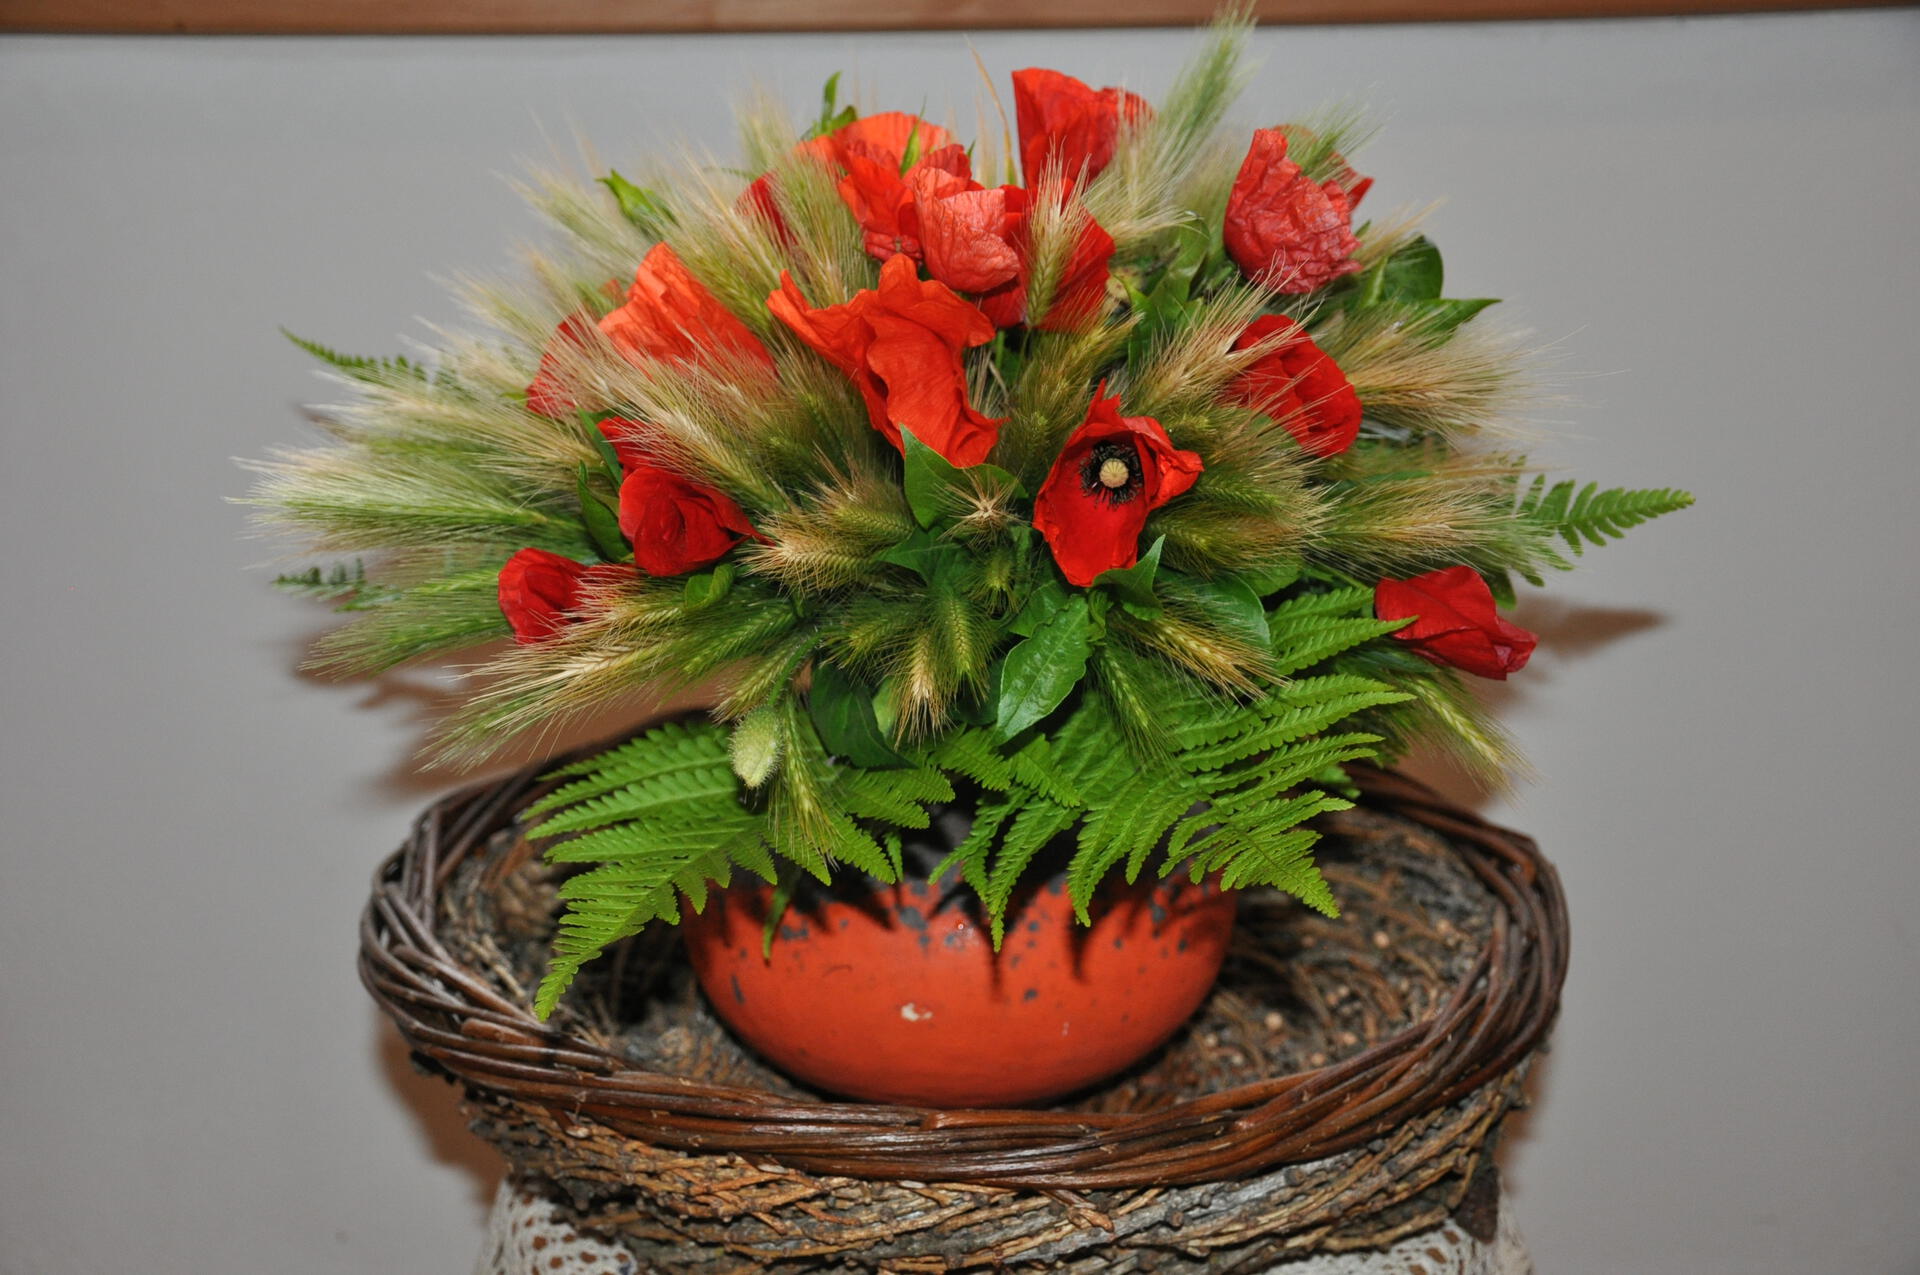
{"type": "Point", "coordinates": [1118, 482]}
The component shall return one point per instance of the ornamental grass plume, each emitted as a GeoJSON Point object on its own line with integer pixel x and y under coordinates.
{"type": "Point", "coordinates": [1128, 501]}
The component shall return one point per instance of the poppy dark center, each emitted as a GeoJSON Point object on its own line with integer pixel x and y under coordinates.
{"type": "Point", "coordinates": [1111, 472]}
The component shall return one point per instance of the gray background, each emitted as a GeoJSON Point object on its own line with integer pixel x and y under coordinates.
{"type": "Point", "coordinates": [1709, 222]}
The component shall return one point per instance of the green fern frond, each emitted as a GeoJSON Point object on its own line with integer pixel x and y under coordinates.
{"type": "Point", "coordinates": [669, 748]}
{"type": "Point", "coordinates": [897, 796]}
{"type": "Point", "coordinates": [971, 855]}
{"type": "Point", "coordinates": [669, 794]}
{"type": "Point", "coordinates": [377, 371]}
{"type": "Point", "coordinates": [1590, 516]}
{"type": "Point", "coordinates": [346, 589]}
{"type": "Point", "coordinates": [1282, 862]}
{"type": "Point", "coordinates": [662, 816]}
{"type": "Point", "coordinates": [1301, 708]}
{"type": "Point", "coordinates": [1036, 767]}
{"type": "Point", "coordinates": [1314, 627]}
{"type": "Point", "coordinates": [1038, 822]}
{"type": "Point", "coordinates": [973, 753]}
{"type": "Point", "coordinates": [1124, 830]}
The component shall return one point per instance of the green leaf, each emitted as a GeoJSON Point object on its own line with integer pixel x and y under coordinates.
{"type": "Point", "coordinates": [1232, 604]}
{"type": "Point", "coordinates": [833, 116]}
{"type": "Point", "coordinates": [1041, 605]}
{"type": "Point", "coordinates": [602, 523]}
{"type": "Point", "coordinates": [1439, 316]}
{"type": "Point", "coordinates": [706, 587]}
{"type": "Point", "coordinates": [1133, 586]}
{"type": "Point", "coordinates": [925, 554]}
{"type": "Point", "coordinates": [1042, 670]}
{"type": "Point", "coordinates": [616, 472]}
{"type": "Point", "coordinates": [638, 204]}
{"type": "Point", "coordinates": [935, 483]}
{"type": "Point", "coordinates": [1194, 242]}
{"type": "Point", "coordinates": [843, 714]}
{"type": "Point", "coordinates": [1413, 273]}
{"type": "Point", "coordinates": [1271, 580]}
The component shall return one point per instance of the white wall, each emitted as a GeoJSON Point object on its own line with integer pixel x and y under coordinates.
{"type": "Point", "coordinates": [1712, 220]}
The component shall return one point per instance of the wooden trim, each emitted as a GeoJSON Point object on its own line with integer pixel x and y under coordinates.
{"type": "Point", "coordinates": [530, 17]}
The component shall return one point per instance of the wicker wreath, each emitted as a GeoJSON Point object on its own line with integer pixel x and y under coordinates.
{"type": "Point", "coordinates": [1341, 1088]}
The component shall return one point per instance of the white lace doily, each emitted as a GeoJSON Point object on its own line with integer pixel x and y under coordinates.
{"type": "Point", "coordinates": [527, 1235]}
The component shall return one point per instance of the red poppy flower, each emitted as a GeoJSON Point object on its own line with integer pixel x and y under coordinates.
{"type": "Point", "coordinates": [1113, 472]}
{"type": "Point", "coordinates": [902, 343]}
{"type": "Point", "coordinates": [1065, 123]}
{"type": "Point", "coordinates": [1299, 385]}
{"type": "Point", "coordinates": [759, 200]}
{"type": "Point", "coordinates": [630, 440]}
{"type": "Point", "coordinates": [1284, 229]}
{"type": "Point", "coordinates": [548, 394]}
{"type": "Point", "coordinates": [967, 232]}
{"type": "Point", "coordinates": [890, 133]}
{"type": "Point", "coordinates": [540, 592]}
{"type": "Point", "coordinates": [671, 315]}
{"type": "Point", "coordinates": [978, 240]}
{"type": "Point", "coordinates": [881, 198]}
{"type": "Point", "coordinates": [1458, 623]}
{"type": "Point", "coordinates": [876, 183]}
{"type": "Point", "coordinates": [1339, 171]}
{"type": "Point", "coordinates": [1079, 293]}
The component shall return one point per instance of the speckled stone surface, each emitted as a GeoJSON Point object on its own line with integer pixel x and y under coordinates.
{"type": "Point", "coordinates": [527, 1234]}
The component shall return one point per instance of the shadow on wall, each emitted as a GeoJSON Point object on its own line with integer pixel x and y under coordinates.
{"type": "Point", "coordinates": [435, 1103]}
{"type": "Point", "coordinates": [424, 696]}
{"type": "Point", "coordinates": [1566, 632]}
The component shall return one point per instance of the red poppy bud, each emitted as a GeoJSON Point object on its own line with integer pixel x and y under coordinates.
{"type": "Point", "coordinates": [1284, 229]}
{"type": "Point", "coordinates": [1458, 624]}
{"type": "Point", "coordinates": [1113, 472]}
{"type": "Point", "coordinates": [902, 345]}
{"type": "Point", "coordinates": [1066, 124]}
{"type": "Point", "coordinates": [540, 592]}
{"type": "Point", "coordinates": [1298, 385]}
{"type": "Point", "coordinates": [677, 525]}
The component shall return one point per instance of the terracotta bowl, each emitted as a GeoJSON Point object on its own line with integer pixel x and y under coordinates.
{"type": "Point", "coordinates": [898, 996]}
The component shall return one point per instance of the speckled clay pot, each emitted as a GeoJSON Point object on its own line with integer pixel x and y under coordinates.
{"type": "Point", "coordinates": [898, 995]}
